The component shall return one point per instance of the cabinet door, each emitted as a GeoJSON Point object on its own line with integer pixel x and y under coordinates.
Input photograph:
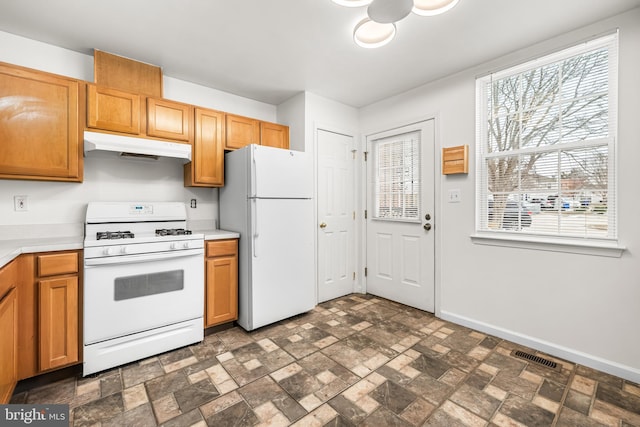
{"type": "Point", "coordinates": [39, 128]}
{"type": "Point", "coordinates": [207, 165]}
{"type": "Point", "coordinates": [58, 322]}
{"type": "Point", "coordinates": [241, 131]}
{"type": "Point", "coordinates": [113, 110]}
{"type": "Point", "coordinates": [274, 135]}
{"type": "Point", "coordinates": [168, 119]}
{"type": "Point", "coordinates": [8, 345]}
{"type": "Point", "coordinates": [222, 290]}
{"type": "Point", "coordinates": [222, 282]}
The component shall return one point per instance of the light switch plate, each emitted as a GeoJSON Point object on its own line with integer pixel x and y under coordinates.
{"type": "Point", "coordinates": [20, 203]}
{"type": "Point", "coordinates": [454, 196]}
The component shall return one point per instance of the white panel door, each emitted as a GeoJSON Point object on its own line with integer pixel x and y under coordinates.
{"type": "Point", "coordinates": [336, 237]}
{"type": "Point", "coordinates": [400, 210]}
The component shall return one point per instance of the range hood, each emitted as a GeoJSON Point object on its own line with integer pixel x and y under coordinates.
{"type": "Point", "coordinates": [136, 147]}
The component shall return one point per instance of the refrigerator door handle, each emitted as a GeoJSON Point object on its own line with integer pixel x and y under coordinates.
{"type": "Point", "coordinates": [254, 167]}
{"type": "Point", "coordinates": [254, 226]}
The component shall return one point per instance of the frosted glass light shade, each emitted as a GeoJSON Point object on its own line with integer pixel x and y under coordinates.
{"type": "Point", "coordinates": [352, 3]}
{"type": "Point", "coordinates": [371, 34]}
{"type": "Point", "coordinates": [432, 7]}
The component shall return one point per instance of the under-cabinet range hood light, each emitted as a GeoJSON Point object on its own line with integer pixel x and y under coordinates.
{"type": "Point", "coordinates": [135, 147]}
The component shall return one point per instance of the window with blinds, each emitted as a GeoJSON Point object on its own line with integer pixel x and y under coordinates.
{"type": "Point", "coordinates": [397, 177]}
{"type": "Point", "coordinates": [546, 134]}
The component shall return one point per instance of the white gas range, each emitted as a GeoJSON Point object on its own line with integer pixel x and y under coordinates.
{"type": "Point", "coordinates": [143, 282]}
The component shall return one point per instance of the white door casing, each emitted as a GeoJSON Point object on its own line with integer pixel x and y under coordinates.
{"type": "Point", "coordinates": [336, 214]}
{"type": "Point", "coordinates": [400, 256]}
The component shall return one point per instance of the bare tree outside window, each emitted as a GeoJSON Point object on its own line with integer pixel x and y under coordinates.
{"type": "Point", "coordinates": [546, 147]}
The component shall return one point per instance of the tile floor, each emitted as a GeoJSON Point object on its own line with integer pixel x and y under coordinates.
{"type": "Point", "coordinates": [354, 361]}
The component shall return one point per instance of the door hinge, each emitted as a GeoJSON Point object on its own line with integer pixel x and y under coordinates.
{"type": "Point", "coordinates": [354, 154]}
{"type": "Point", "coordinates": [354, 275]}
{"type": "Point", "coordinates": [365, 214]}
{"type": "Point", "coordinates": [365, 272]}
{"type": "Point", "coordinates": [365, 155]}
{"type": "Point", "coordinates": [354, 214]}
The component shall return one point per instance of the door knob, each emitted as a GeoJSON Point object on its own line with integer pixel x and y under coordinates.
{"type": "Point", "coordinates": [427, 226]}
{"type": "Point", "coordinates": [427, 217]}
{"type": "Point", "coordinates": [323, 224]}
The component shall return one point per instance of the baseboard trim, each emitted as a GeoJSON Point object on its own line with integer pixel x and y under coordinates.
{"type": "Point", "coordinates": [575, 356]}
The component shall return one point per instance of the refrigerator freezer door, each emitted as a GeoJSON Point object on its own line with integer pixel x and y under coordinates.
{"type": "Point", "coordinates": [278, 173]}
{"type": "Point", "coordinates": [282, 282]}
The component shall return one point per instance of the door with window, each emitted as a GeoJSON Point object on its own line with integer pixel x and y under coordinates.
{"type": "Point", "coordinates": [400, 215]}
{"type": "Point", "coordinates": [336, 215]}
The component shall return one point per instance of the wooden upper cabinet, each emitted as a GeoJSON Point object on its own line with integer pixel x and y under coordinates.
{"type": "Point", "coordinates": [241, 131]}
{"type": "Point", "coordinates": [206, 168]}
{"type": "Point", "coordinates": [113, 110]}
{"type": "Point", "coordinates": [40, 136]}
{"type": "Point", "coordinates": [169, 119]}
{"type": "Point", "coordinates": [274, 135]}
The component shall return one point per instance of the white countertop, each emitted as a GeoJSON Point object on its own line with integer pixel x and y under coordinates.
{"type": "Point", "coordinates": [10, 249]}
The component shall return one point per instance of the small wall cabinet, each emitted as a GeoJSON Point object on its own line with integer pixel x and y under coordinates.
{"type": "Point", "coordinates": [221, 276]}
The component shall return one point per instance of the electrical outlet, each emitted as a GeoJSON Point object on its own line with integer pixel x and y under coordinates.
{"type": "Point", "coordinates": [454, 196]}
{"type": "Point", "coordinates": [20, 203]}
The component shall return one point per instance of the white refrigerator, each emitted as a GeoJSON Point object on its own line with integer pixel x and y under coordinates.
{"type": "Point", "coordinates": [267, 198]}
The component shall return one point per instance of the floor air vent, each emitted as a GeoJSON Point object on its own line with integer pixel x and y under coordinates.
{"type": "Point", "coordinates": [536, 359]}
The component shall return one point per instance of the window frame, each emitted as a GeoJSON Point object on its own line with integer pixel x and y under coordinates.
{"type": "Point", "coordinates": [608, 246]}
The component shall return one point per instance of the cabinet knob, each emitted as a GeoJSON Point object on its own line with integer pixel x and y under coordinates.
{"type": "Point", "coordinates": [323, 224]}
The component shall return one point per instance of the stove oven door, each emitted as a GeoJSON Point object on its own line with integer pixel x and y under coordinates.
{"type": "Point", "coordinates": [125, 295]}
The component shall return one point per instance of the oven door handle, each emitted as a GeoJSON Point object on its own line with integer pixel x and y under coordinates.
{"type": "Point", "coordinates": [130, 259]}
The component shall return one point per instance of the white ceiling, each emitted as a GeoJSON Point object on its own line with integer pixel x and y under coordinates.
{"type": "Point", "coordinates": [269, 50]}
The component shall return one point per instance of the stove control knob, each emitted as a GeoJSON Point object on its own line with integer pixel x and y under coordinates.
{"type": "Point", "coordinates": [185, 245]}
{"type": "Point", "coordinates": [123, 250]}
{"type": "Point", "coordinates": [174, 246]}
{"type": "Point", "coordinates": [108, 251]}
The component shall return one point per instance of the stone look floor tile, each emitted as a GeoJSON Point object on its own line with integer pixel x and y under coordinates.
{"type": "Point", "coordinates": [354, 361]}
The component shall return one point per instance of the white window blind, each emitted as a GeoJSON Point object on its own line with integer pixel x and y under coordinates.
{"type": "Point", "coordinates": [546, 136]}
{"type": "Point", "coordinates": [397, 177]}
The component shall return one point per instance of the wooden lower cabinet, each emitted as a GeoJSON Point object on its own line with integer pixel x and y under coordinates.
{"type": "Point", "coordinates": [49, 316]}
{"type": "Point", "coordinates": [58, 314]}
{"type": "Point", "coordinates": [8, 332]}
{"type": "Point", "coordinates": [221, 277]}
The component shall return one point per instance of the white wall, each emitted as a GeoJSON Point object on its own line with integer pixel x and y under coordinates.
{"type": "Point", "coordinates": [106, 177]}
{"type": "Point", "coordinates": [580, 307]}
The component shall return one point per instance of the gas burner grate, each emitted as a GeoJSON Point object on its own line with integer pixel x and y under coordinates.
{"type": "Point", "coordinates": [172, 232]}
{"type": "Point", "coordinates": [111, 235]}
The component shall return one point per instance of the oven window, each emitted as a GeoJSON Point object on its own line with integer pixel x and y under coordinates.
{"type": "Point", "coordinates": [148, 284]}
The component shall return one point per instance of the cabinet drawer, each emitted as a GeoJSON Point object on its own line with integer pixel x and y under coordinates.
{"type": "Point", "coordinates": [53, 264]}
{"type": "Point", "coordinates": [222, 247]}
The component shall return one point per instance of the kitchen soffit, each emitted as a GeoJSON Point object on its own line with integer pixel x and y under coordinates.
{"type": "Point", "coordinates": [269, 51]}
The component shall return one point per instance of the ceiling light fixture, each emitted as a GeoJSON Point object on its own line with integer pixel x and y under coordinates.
{"type": "Point", "coordinates": [371, 34]}
{"type": "Point", "coordinates": [379, 27]}
{"type": "Point", "coordinates": [389, 11]}
{"type": "Point", "coordinates": [352, 3]}
{"type": "Point", "coordinates": [432, 7]}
